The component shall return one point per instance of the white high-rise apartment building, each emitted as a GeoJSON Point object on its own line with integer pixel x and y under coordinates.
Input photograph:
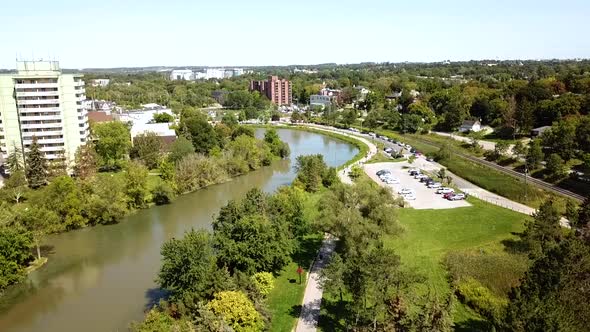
{"type": "Point", "coordinates": [39, 100]}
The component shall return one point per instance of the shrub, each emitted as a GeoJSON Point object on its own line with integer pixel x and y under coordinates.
{"type": "Point", "coordinates": [481, 298]}
{"type": "Point", "coordinates": [162, 194]}
{"type": "Point", "coordinates": [237, 310]}
{"type": "Point", "coordinates": [264, 282]}
{"type": "Point", "coordinates": [196, 171]}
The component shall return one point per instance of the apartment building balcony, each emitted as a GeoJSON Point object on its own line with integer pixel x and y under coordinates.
{"type": "Point", "coordinates": [28, 135]}
{"type": "Point", "coordinates": [36, 85]}
{"type": "Point", "coordinates": [37, 101]}
{"type": "Point", "coordinates": [79, 83]}
{"type": "Point", "coordinates": [47, 141]}
{"type": "Point", "coordinates": [80, 90]}
{"type": "Point", "coordinates": [41, 125]}
{"type": "Point", "coordinates": [36, 93]}
{"type": "Point", "coordinates": [38, 109]}
{"type": "Point", "coordinates": [40, 117]}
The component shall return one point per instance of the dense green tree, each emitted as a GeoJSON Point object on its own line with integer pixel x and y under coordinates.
{"type": "Point", "coordinates": [64, 197]}
{"type": "Point", "coordinates": [534, 154]}
{"type": "Point", "coordinates": [310, 170]}
{"type": "Point", "coordinates": [248, 239]}
{"type": "Point", "coordinates": [550, 296]}
{"type": "Point", "coordinates": [113, 143]}
{"type": "Point", "coordinates": [36, 165]}
{"type": "Point", "coordinates": [189, 266]}
{"type": "Point", "coordinates": [543, 231]}
{"type": "Point", "coordinates": [15, 244]}
{"type": "Point", "coordinates": [203, 136]}
{"type": "Point", "coordinates": [561, 139]}
{"type": "Point", "coordinates": [556, 166]}
{"type": "Point", "coordinates": [39, 221]}
{"type": "Point", "coordinates": [156, 320]}
{"type": "Point", "coordinates": [147, 149]}
{"type": "Point", "coordinates": [349, 117]}
{"type": "Point", "coordinates": [136, 177]}
{"type": "Point", "coordinates": [180, 148]}
{"type": "Point", "coordinates": [277, 147]}
{"type": "Point", "coordinates": [411, 123]}
{"type": "Point", "coordinates": [106, 202]}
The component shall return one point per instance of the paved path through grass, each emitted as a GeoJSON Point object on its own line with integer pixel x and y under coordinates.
{"type": "Point", "coordinates": [312, 298]}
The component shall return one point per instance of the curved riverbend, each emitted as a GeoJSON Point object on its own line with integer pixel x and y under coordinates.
{"type": "Point", "coordinates": [102, 278]}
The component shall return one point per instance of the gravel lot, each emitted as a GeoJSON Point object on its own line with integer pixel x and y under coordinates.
{"type": "Point", "coordinates": [426, 198]}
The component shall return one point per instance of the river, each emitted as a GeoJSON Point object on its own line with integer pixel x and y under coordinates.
{"type": "Point", "coordinates": [102, 278]}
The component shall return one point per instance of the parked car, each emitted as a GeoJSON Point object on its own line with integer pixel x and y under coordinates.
{"type": "Point", "coordinates": [410, 197]}
{"type": "Point", "coordinates": [391, 181]}
{"type": "Point", "coordinates": [448, 195]}
{"type": "Point", "coordinates": [414, 173]}
{"type": "Point", "coordinates": [388, 150]}
{"type": "Point", "coordinates": [383, 171]}
{"type": "Point", "coordinates": [420, 176]}
{"type": "Point", "coordinates": [429, 159]}
{"type": "Point", "coordinates": [457, 197]}
{"type": "Point", "coordinates": [435, 185]}
{"type": "Point", "coordinates": [445, 190]}
{"type": "Point", "coordinates": [412, 170]}
{"type": "Point", "coordinates": [406, 191]}
{"type": "Point", "coordinates": [425, 179]}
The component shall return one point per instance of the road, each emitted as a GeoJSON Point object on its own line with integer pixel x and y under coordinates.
{"type": "Point", "coordinates": [486, 145]}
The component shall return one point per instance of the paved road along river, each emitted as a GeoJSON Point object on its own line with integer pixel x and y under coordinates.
{"type": "Point", "coordinates": [102, 278]}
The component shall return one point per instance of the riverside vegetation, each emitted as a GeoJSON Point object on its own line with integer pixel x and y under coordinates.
{"type": "Point", "coordinates": [40, 198]}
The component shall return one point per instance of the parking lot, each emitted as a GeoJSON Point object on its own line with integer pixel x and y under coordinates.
{"type": "Point", "coordinates": [426, 198]}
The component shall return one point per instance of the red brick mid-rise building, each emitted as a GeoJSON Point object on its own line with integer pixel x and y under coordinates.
{"type": "Point", "coordinates": [277, 90]}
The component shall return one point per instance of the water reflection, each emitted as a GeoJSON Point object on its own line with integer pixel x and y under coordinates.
{"type": "Point", "coordinates": [101, 278]}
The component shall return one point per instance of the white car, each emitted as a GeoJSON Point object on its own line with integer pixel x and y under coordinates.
{"type": "Point", "coordinates": [388, 150]}
{"type": "Point", "coordinates": [435, 185]}
{"type": "Point", "coordinates": [445, 190]}
{"type": "Point", "coordinates": [406, 191]}
{"type": "Point", "coordinates": [457, 197]}
{"type": "Point", "coordinates": [391, 181]}
{"type": "Point", "coordinates": [420, 176]}
{"type": "Point", "coordinates": [412, 170]}
{"type": "Point", "coordinates": [410, 197]}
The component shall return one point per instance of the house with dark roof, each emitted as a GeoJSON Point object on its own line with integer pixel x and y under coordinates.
{"type": "Point", "coordinates": [470, 125]}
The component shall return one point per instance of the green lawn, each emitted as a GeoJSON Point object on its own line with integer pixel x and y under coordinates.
{"type": "Point", "coordinates": [285, 299]}
{"type": "Point", "coordinates": [430, 234]}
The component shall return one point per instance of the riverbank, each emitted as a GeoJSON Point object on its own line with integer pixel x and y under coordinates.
{"type": "Point", "coordinates": [363, 148]}
{"type": "Point", "coordinates": [90, 267]}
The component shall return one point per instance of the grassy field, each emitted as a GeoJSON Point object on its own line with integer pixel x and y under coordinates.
{"type": "Point", "coordinates": [431, 234]}
{"type": "Point", "coordinates": [285, 299]}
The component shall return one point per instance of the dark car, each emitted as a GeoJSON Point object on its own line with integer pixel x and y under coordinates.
{"type": "Point", "coordinates": [414, 173]}
{"type": "Point", "coordinates": [426, 179]}
{"type": "Point", "coordinates": [429, 182]}
{"type": "Point", "coordinates": [448, 195]}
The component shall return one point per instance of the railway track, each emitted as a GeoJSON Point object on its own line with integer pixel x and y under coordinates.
{"type": "Point", "coordinates": [539, 183]}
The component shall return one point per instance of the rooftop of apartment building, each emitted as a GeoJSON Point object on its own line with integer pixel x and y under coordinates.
{"type": "Point", "coordinates": [40, 68]}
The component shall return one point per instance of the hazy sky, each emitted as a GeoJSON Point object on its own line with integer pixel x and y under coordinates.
{"type": "Point", "coordinates": [115, 33]}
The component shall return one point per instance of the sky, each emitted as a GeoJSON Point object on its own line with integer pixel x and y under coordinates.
{"type": "Point", "coordinates": [131, 33]}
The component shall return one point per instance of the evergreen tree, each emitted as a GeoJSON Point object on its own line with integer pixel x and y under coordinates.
{"type": "Point", "coordinates": [14, 162]}
{"type": "Point", "coordinates": [36, 166]}
{"type": "Point", "coordinates": [543, 232]}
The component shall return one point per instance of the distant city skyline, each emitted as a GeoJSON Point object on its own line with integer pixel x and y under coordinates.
{"type": "Point", "coordinates": [234, 33]}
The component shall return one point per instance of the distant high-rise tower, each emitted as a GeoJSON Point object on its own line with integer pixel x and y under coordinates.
{"type": "Point", "coordinates": [277, 90]}
{"type": "Point", "coordinates": [39, 100]}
